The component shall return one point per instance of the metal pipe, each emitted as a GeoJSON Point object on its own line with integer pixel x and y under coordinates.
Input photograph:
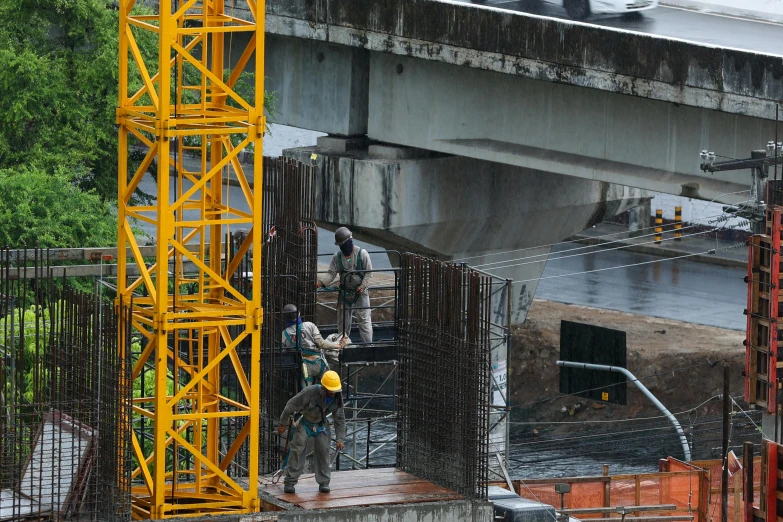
{"type": "Point", "coordinates": [618, 369]}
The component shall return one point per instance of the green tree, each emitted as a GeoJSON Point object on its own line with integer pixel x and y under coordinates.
{"type": "Point", "coordinates": [49, 210]}
{"type": "Point", "coordinates": [58, 89]}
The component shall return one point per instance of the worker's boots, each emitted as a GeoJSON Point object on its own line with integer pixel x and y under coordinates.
{"type": "Point", "coordinates": [289, 488]}
{"type": "Point", "coordinates": [324, 488]}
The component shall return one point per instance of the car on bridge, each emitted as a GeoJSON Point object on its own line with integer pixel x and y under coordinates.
{"type": "Point", "coordinates": [581, 9]}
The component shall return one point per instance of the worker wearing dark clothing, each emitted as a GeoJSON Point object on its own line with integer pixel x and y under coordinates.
{"type": "Point", "coordinates": [351, 267]}
{"type": "Point", "coordinates": [314, 403]}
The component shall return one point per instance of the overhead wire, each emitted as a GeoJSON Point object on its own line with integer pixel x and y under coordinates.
{"type": "Point", "coordinates": [600, 250]}
{"type": "Point", "coordinates": [603, 235]}
{"type": "Point", "coordinates": [674, 258]}
{"type": "Point", "coordinates": [599, 247]}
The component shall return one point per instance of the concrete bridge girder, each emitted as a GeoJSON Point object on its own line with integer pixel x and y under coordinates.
{"type": "Point", "coordinates": [558, 128]}
{"type": "Point", "coordinates": [456, 207]}
{"type": "Point", "coordinates": [551, 127]}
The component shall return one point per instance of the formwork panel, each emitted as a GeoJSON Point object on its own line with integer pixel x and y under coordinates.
{"type": "Point", "coordinates": [762, 371]}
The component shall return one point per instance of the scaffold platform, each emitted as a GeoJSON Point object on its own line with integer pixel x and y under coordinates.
{"type": "Point", "coordinates": [363, 487]}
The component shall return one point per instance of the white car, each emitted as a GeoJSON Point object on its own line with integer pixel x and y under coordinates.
{"type": "Point", "coordinates": [581, 9]}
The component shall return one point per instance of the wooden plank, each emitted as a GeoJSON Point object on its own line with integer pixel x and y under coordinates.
{"type": "Point", "coordinates": [379, 499]}
{"type": "Point", "coordinates": [339, 483]}
{"type": "Point", "coordinates": [410, 489]}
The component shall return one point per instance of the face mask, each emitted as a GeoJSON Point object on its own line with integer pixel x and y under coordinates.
{"type": "Point", "coordinates": [347, 248]}
{"type": "Point", "coordinates": [329, 399]}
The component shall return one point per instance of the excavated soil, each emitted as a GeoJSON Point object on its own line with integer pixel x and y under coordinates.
{"type": "Point", "coordinates": [681, 363]}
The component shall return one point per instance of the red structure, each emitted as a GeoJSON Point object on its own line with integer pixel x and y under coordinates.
{"type": "Point", "coordinates": [762, 372]}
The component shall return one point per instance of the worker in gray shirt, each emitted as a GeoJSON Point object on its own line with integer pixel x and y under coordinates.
{"type": "Point", "coordinates": [314, 403]}
{"type": "Point", "coordinates": [350, 265]}
{"type": "Point", "coordinates": [305, 337]}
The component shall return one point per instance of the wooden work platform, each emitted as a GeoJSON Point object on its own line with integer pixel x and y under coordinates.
{"type": "Point", "coordinates": [364, 487]}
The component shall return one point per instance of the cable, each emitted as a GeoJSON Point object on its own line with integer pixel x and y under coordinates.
{"type": "Point", "coordinates": [603, 245]}
{"type": "Point", "coordinates": [598, 237]}
{"type": "Point", "coordinates": [598, 251]}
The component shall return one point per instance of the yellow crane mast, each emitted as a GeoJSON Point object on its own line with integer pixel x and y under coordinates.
{"type": "Point", "coordinates": [187, 105]}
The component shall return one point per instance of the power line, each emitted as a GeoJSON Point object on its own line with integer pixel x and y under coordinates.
{"type": "Point", "coordinates": [603, 245]}
{"type": "Point", "coordinates": [598, 251]}
{"type": "Point", "coordinates": [603, 235]}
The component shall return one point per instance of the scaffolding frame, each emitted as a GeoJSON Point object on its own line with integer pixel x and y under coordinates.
{"type": "Point", "coordinates": [187, 103]}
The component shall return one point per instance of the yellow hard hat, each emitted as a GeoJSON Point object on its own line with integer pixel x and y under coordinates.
{"type": "Point", "coordinates": [331, 381]}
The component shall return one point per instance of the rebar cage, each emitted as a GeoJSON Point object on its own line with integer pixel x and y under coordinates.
{"type": "Point", "coordinates": [64, 398]}
{"type": "Point", "coordinates": [444, 376]}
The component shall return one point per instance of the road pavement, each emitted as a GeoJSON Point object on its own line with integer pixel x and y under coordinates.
{"type": "Point", "coordinates": [663, 287]}
{"type": "Point", "coordinates": [713, 29]}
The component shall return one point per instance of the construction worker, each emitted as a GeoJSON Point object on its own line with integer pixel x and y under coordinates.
{"type": "Point", "coordinates": [314, 403]}
{"type": "Point", "coordinates": [305, 337]}
{"type": "Point", "coordinates": [352, 266]}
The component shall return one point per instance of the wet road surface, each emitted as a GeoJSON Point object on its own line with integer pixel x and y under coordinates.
{"type": "Point", "coordinates": [719, 30]}
{"type": "Point", "coordinates": [675, 289]}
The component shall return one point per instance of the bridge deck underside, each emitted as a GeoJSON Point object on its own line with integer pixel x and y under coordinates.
{"type": "Point", "coordinates": [365, 487]}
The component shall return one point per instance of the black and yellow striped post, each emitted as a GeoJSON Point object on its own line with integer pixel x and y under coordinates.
{"type": "Point", "coordinates": [677, 223]}
{"type": "Point", "coordinates": [658, 225]}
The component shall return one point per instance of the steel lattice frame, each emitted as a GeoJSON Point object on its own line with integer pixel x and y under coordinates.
{"type": "Point", "coordinates": [183, 468]}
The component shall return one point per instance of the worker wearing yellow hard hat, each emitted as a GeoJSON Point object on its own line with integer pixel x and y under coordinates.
{"type": "Point", "coordinates": [313, 404]}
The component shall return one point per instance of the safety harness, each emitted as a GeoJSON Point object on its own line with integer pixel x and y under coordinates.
{"type": "Point", "coordinates": [312, 429]}
{"type": "Point", "coordinates": [348, 285]}
{"type": "Point", "coordinates": [308, 380]}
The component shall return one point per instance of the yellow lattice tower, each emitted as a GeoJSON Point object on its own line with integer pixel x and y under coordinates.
{"type": "Point", "coordinates": [187, 104]}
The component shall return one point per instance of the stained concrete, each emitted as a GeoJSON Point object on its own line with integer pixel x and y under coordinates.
{"type": "Point", "coordinates": [451, 511]}
{"type": "Point", "coordinates": [586, 133]}
{"type": "Point", "coordinates": [559, 51]}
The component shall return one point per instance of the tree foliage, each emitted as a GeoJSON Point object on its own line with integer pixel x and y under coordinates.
{"type": "Point", "coordinates": [58, 89]}
{"type": "Point", "coordinates": [49, 210]}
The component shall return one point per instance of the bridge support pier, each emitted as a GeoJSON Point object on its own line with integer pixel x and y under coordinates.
{"type": "Point", "coordinates": [491, 215]}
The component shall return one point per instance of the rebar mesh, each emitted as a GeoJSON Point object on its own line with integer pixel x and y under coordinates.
{"type": "Point", "coordinates": [64, 399]}
{"type": "Point", "coordinates": [444, 382]}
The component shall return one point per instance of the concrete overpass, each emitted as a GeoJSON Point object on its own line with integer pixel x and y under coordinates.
{"type": "Point", "coordinates": [468, 131]}
{"type": "Point", "coordinates": [525, 90]}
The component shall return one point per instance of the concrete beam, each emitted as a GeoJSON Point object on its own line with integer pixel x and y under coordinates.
{"type": "Point", "coordinates": [319, 87]}
{"type": "Point", "coordinates": [537, 47]}
{"type": "Point", "coordinates": [561, 129]}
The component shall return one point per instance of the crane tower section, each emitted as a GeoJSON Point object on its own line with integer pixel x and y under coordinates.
{"type": "Point", "coordinates": [182, 118]}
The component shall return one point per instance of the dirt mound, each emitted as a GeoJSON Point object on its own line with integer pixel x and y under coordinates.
{"type": "Point", "coordinates": [681, 363]}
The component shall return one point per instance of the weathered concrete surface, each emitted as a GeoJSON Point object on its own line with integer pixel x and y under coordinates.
{"type": "Point", "coordinates": [455, 511]}
{"type": "Point", "coordinates": [550, 127]}
{"type": "Point", "coordinates": [553, 50]}
{"type": "Point", "coordinates": [319, 87]}
{"type": "Point", "coordinates": [460, 208]}
{"type": "Point", "coordinates": [452, 511]}
{"type": "Point", "coordinates": [557, 128]}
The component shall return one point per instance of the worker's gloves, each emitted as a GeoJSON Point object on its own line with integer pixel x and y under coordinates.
{"type": "Point", "coordinates": [344, 341]}
{"type": "Point", "coordinates": [280, 429]}
{"type": "Point", "coordinates": [339, 446]}
{"type": "Point", "coordinates": [360, 290]}
{"type": "Point", "coordinates": [319, 284]}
